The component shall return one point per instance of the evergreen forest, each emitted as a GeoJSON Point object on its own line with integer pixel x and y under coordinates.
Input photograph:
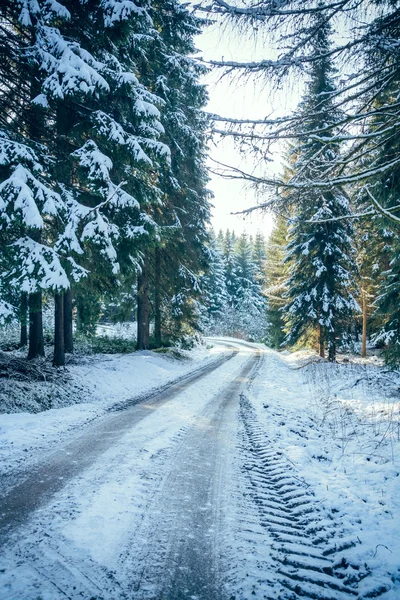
{"type": "Point", "coordinates": [105, 203]}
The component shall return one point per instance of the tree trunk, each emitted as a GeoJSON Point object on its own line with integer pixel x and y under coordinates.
{"type": "Point", "coordinates": [364, 325]}
{"type": "Point", "coordinates": [63, 339]}
{"type": "Point", "coordinates": [24, 318]}
{"type": "Point", "coordinates": [332, 350]}
{"type": "Point", "coordinates": [59, 356]}
{"type": "Point", "coordinates": [321, 342]}
{"type": "Point", "coordinates": [143, 310]}
{"type": "Point", "coordinates": [157, 299]}
{"type": "Point", "coordinates": [68, 330]}
{"type": "Point", "coordinates": [36, 341]}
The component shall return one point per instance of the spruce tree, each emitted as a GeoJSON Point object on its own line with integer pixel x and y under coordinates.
{"type": "Point", "coordinates": [178, 258]}
{"type": "Point", "coordinates": [388, 305]}
{"type": "Point", "coordinates": [248, 288]}
{"type": "Point", "coordinates": [320, 248]}
{"type": "Point", "coordinates": [242, 311]}
{"type": "Point", "coordinates": [108, 130]}
{"type": "Point", "coordinates": [215, 296]}
{"type": "Point", "coordinates": [385, 189]}
{"type": "Point", "coordinates": [29, 204]}
{"type": "Point", "coordinates": [373, 243]}
{"type": "Point", "coordinates": [230, 266]}
{"type": "Point", "coordinates": [250, 301]}
{"type": "Point", "coordinates": [276, 275]}
{"type": "Point", "coordinates": [259, 255]}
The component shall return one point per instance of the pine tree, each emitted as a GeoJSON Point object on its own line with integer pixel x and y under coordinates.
{"type": "Point", "coordinates": [230, 266]}
{"type": "Point", "coordinates": [29, 203]}
{"type": "Point", "coordinates": [320, 247]}
{"type": "Point", "coordinates": [184, 211]}
{"type": "Point", "coordinates": [242, 311]}
{"type": "Point", "coordinates": [388, 304]}
{"type": "Point", "coordinates": [373, 241]}
{"type": "Point", "coordinates": [250, 302]}
{"type": "Point", "coordinates": [276, 275]}
{"type": "Point", "coordinates": [220, 240]}
{"type": "Point", "coordinates": [259, 255]}
{"type": "Point", "coordinates": [215, 296]}
{"type": "Point", "coordinates": [385, 189]}
{"type": "Point", "coordinates": [113, 145]}
{"type": "Point", "coordinates": [107, 134]}
{"type": "Point", "coordinates": [247, 287]}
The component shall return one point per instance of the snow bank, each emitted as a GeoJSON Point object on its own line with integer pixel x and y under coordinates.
{"type": "Point", "coordinates": [339, 426]}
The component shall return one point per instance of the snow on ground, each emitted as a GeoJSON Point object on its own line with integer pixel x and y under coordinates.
{"type": "Point", "coordinates": [86, 540]}
{"type": "Point", "coordinates": [127, 330]}
{"type": "Point", "coordinates": [338, 427]}
{"type": "Point", "coordinates": [303, 434]}
{"type": "Point", "coordinates": [99, 382]}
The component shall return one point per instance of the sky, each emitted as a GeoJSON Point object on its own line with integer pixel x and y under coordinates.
{"type": "Point", "coordinates": [246, 99]}
{"type": "Point", "coordinates": [236, 99]}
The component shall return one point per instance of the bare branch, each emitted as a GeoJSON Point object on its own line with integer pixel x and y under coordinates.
{"type": "Point", "coordinates": [387, 213]}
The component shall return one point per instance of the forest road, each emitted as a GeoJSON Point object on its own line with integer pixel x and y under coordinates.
{"type": "Point", "coordinates": [179, 559]}
{"type": "Point", "coordinates": [34, 488]}
{"type": "Point", "coordinates": [184, 496]}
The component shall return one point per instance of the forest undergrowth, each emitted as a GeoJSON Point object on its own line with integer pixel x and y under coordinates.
{"type": "Point", "coordinates": [357, 403]}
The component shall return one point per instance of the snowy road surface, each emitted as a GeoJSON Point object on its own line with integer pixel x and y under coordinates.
{"type": "Point", "coordinates": [51, 475]}
{"type": "Point", "coordinates": [195, 493]}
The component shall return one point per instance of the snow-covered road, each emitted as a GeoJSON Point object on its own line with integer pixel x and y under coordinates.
{"type": "Point", "coordinates": [30, 491]}
{"type": "Point", "coordinates": [212, 489]}
{"type": "Point", "coordinates": [129, 506]}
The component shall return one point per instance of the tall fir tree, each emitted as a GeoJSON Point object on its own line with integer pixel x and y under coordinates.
{"type": "Point", "coordinates": [250, 302]}
{"type": "Point", "coordinates": [388, 305]}
{"type": "Point", "coordinates": [171, 261]}
{"type": "Point", "coordinates": [230, 266]}
{"type": "Point", "coordinates": [385, 189]}
{"type": "Point", "coordinates": [215, 296]}
{"type": "Point", "coordinates": [276, 275]}
{"type": "Point", "coordinates": [32, 210]}
{"type": "Point", "coordinates": [180, 255]}
{"type": "Point", "coordinates": [381, 156]}
{"type": "Point", "coordinates": [320, 249]}
{"type": "Point", "coordinates": [259, 255]}
{"type": "Point", "coordinates": [232, 289]}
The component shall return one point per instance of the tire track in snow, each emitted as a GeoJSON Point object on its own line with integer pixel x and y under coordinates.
{"type": "Point", "coordinates": [305, 546]}
{"type": "Point", "coordinates": [48, 560]}
{"type": "Point", "coordinates": [175, 554]}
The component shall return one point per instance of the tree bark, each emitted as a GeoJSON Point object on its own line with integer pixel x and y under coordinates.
{"type": "Point", "coordinates": [321, 342]}
{"type": "Point", "coordinates": [59, 355]}
{"type": "Point", "coordinates": [364, 325]}
{"type": "Point", "coordinates": [143, 310]}
{"type": "Point", "coordinates": [157, 299]}
{"type": "Point", "coordinates": [68, 329]}
{"type": "Point", "coordinates": [36, 341]}
{"type": "Point", "coordinates": [24, 318]}
{"type": "Point", "coordinates": [64, 123]}
{"type": "Point", "coordinates": [332, 350]}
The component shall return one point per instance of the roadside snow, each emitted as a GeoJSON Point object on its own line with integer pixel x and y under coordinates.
{"type": "Point", "coordinates": [333, 430]}
{"type": "Point", "coordinates": [100, 383]}
{"type": "Point", "coordinates": [338, 425]}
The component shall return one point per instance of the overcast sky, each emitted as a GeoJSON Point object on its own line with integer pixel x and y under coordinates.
{"type": "Point", "coordinates": [239, 100]}
{"type": "Point", "coordinates": [247, 100]}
